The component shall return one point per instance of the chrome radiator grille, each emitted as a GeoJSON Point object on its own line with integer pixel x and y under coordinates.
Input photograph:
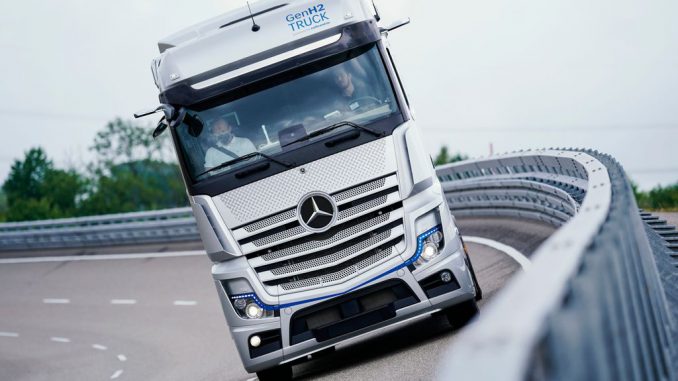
{"type": "Point", "coordinates": [288, 258]}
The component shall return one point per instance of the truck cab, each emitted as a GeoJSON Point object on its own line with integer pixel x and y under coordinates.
{"type": "Point", "coordinates": [313, 193]}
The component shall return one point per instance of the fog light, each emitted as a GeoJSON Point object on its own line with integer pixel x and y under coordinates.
{"type": "Point", "coordinates": [445, 276]}
{"type": "Point", "coordinates": [430, 251]}
{"type": "Point", "coordinates": [253, 311]}
{"type": "Point", "coordinates": [255, 341]}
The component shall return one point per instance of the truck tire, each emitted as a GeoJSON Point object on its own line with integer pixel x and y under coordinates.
{"type": "Point", "coordinates": [458, 316]}
{"type": "Point", "coordinates": [280, 372]}
{"type": "Point", "coordinates": [479, 291]}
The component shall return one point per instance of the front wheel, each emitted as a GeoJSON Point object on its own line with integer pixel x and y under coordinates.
{"type": "Point", "coordinates": [458, 316]}
{"type": "Point", "coordinates": [280, 372]}
{"type": "Point", "coordinates": [479, 291]}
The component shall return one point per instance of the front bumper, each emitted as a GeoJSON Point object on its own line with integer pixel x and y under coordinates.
{"type": "Point", "coordinates": [452, 258]}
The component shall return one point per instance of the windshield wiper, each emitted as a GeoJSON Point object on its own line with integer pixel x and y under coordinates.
{"type": "Point", "coordinates": [333, 127]}
{"type": "Point", "coordinates": [246, 157]}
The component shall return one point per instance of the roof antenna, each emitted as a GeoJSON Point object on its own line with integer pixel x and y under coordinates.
{"type": "Point", "coordinates": [255, 27]}
{"type": "Point", "coordinates": [376, 12]}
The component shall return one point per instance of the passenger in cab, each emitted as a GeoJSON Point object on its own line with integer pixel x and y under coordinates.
{"type": "Point", "coordinates": [226, 146]}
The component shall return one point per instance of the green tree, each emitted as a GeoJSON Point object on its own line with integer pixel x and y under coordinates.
{"type": "Point", "coordinates": [135, 186]}
{"type": "Point", "coordinates": [36, 190]}
{"type": "Point", "coordinates": [659, 198]}
{"type": "Point", "coordinates": [25, 177]}
{"type": "Point", "coordinates": [641, 197]}
{"type": "Point", "coordinates": [123, 141]}
{"type": "Point", "coordinates": [444, 157]}
{"type": "Point", "coordinates": [3, 206]}
{"type": "Point", "coordinates": [132, 171]}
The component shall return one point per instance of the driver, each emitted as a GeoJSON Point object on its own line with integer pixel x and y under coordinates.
{"type": "Point", "coordinates": [226, 146]}
{"type": "Point", "coordinates": [349, 91]}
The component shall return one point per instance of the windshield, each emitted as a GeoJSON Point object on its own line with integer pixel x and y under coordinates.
{"type": "Point", "coordinates": [278, 118]}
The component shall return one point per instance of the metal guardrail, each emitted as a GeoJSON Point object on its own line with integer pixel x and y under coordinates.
{"type": "Point", "coordinates": [511, 198]}
{"type": "Point", "coordinates": [599, 302]}
{"type": "Point", "coordinates": [593, 305]}
{"type": "Point", "coordinates": [162, 226]}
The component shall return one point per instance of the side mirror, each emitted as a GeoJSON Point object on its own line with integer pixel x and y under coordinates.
{"type": "Point", "coordinates": [173, 118]}
{"type": "Point", "coordinates": [396, 24]}
{"type": "Point", "coordinates": [160, 128]}
{"type": "Point", "coordinates": [169, 115]}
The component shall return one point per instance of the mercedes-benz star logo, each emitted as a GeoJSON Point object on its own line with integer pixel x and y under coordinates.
{"type": "Point", "coordinates": [317, 212]}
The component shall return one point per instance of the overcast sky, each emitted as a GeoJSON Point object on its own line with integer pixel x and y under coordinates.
{"type": "Point", "coordinates": [518, 74]}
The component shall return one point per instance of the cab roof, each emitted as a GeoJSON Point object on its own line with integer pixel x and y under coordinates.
{"type": "Point", "coordinates": [194, 32]}
{"type": "Point", "coordinates": [229, 38]}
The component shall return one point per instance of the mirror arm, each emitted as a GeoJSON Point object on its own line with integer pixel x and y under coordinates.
{"type": "Point", "coordinates": [166, 109]}
{"type": "Point", "coordinates": [395, 25]}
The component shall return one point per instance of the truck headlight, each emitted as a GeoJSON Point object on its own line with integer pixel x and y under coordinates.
{"type": "Point", "coordinates": [246, 307]}
{"type": "Point", "coordinates": [253, 311]}
{"type": "Point", "coordinates": [430, 250]}
{"type": "Point", "coordinates": [430, 238]}
{"type": "Point", "coordinates": [436, 237]}
{"type": "Point", "coordinates": [430, 244]}
{"type": "Point", "coordinates": [240, 304]}
{"type": "Point", "coordinates": [244, 300]}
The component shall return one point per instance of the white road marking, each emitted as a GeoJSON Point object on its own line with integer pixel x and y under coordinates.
{"type": "Point", "coordinates": [56, 301]}
{"type": "Point", "coordinates": [122, 357]}
{"type": "Point", "coordinates": [185, 302]}
{"type": "Point", "coordinates": [99, 347]}
{"type": "Point", "coordinates": [102, 257]}
{"type": "Point", "coordinates": [9, 334]}
{"type": "Point", "coordinates": [116, 374]}
{"type": "Point", "coordinates": [123, 301]}
{"type": "Point", "coordinates": [522, 260]}
{"type": "Point", "coordinates": [61, 339]}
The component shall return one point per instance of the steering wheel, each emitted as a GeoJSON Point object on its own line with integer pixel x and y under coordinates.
{"type": "Point", "coordinates": [373, 101]}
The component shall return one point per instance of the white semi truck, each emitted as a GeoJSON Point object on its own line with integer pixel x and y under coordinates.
{"type": "Point", "coordinates": [313, 193]}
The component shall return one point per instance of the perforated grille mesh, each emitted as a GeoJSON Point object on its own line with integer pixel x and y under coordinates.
{"type": "Point", "coordinates": [310, 245]}
{"type": "Point", "coordinates": [372, 185]}
{"type": "Point", "coordinates": [289, 214]}
{"type": "Point", "coordinates": [334, 257]}
{"type": "Point", "coordinates": [302, 283]}
{"type": "Point", "coordinates": [271, 220]}
{"type": "Point", "coordinates": [279, 236]}
{"type": "Point", "coordinates": [344, 272]}
{"type": "Point", "coordinates": [362, 207]}
{"type": "Point", "coordinates": [331, 174]}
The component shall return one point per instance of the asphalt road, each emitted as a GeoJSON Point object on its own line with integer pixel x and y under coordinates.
{"type": "Point", "coordinates": [160, 319]}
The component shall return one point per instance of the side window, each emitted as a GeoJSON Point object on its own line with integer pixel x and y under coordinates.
{"type": "Point", "coordinates": [397, 75]}
{"type": "Point", "coordinates": [194, 149]}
